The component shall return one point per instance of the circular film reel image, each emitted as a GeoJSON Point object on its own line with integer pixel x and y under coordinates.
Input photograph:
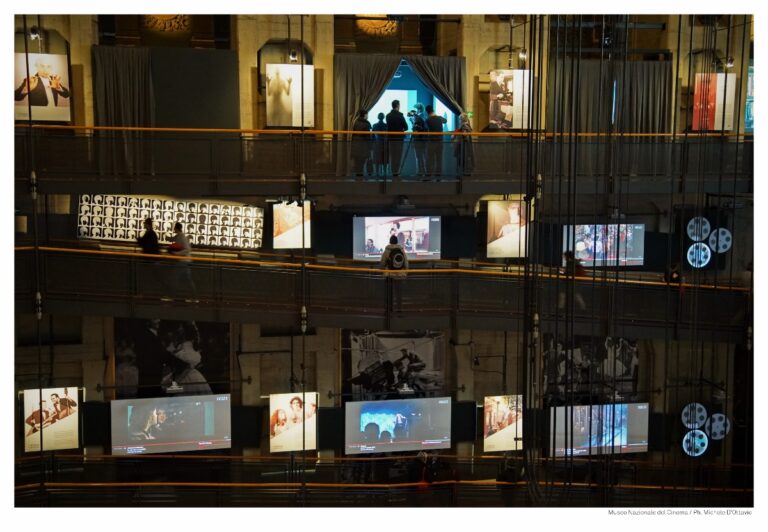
{"type": "Point", "coordinates": [695, 442]}
{"type": "Point", "coordinates": [694, 415]}
{"type": "Point", "coordinates": [699, 255]}
{"type": "Point", "coordinates": [717, 426]}
{"type": "Point", "coordinates": [698, 228]}
{"type": "Point", "coordinates": [720, 240]}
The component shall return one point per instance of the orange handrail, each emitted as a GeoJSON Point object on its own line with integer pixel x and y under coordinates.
{"type": "Point", "coordinates": [370, 269]}
{"type": "Point", "coordinates": [299, 132]}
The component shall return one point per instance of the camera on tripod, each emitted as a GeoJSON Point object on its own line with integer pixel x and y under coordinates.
{"type": "Point", "coordinates": [412, 113]}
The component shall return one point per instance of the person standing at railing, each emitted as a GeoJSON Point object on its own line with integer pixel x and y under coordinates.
{"type": "Point", "coordinates": [419, 141]}
{"type": "Point", "coordinates": [573, 268]}
{"type": "Point", "coordinates": [380, 154]}
{"type": "Point", "coordinates": [396, 124]}
{"type": "Point", "coordinates": [180, 247]}
{"type": "Point", "coordinates": [150, 245]}
{"type": "Point", "coordinates": [361, 144]}
{"type": "Point", "coordinates": [395, 261]}
{"type": "Point", "coordinates": [462, 147]}
{"type": "Point", "coordinates": [435, 144]}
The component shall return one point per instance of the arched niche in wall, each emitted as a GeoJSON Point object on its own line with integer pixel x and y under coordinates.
{"type": "Point", "coordinates": [281, 51]}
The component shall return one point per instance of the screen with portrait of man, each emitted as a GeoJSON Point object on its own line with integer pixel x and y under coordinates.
{"type": "Point", "coordinates": [41, 83]}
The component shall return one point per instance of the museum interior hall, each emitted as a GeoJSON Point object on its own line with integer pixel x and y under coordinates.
{"type": "Point", "coordinates": [340, 260]}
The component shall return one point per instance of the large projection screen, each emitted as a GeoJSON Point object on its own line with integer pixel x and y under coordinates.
{"type": "Point", "coordinates": [503, 423]}
{"type": "Point", "coordinates": [289, 222]}
{"type": "Point", "coordinates": [171, 424]}
{"type": "Point", "coordinates": [293, 422]}
{"type": "Point", "coordinates": [606, 244]}
{"type": "Point", "coordinates": [284, 92]}
{"type": "Point", "coordinates": [52, 414]}
{"type": "Point", "coordinates": [420, 236]}
{"type": "Point", "coordinates": [507, 228]}
{"type": "Point", "coordinates": [398, 425]}
{"type": "Point", "coordinates": [599, 429]}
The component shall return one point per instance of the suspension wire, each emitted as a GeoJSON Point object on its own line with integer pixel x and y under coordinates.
{"type": "Point", "coordinates": [748, 310]}
{"type": "Point", "coordinates": [668, 288]}
{"type": "Point", "coordinates": [557, 146]}
{"type": "Point", "coordinates": [303, 317]}
{"type": "Point", "coordinates": [37, 303]}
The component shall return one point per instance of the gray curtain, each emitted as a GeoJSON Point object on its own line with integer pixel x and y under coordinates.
{"type": "Point", "coordinates": [359, 80]}
{"type": "Point", "coordinates": [444, 76]}
{"type": "Point", "coordinates": [123, 96]}
{"type": "Point", "coordinates": [580, 99]}
{"type": "Point", "coordinates": [585, 87]}
{"type": "Point", "coordinates": [644, 96]}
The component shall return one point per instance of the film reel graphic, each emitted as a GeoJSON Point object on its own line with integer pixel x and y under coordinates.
{"type": "Point", "coordinates": [694, 415]}
{"type": "Point", "coordinates": [717, 426]}
{"type": "Point", "coordinates": [706, 241]}
{"type": "Point", "coordinates": [695, 442]}
{"type": "Point", "coordinates": [698, 255]}
{"type": "Point", "coordinates": [720, 240]}
{"type": "Point", "coordinates": [698, 228]}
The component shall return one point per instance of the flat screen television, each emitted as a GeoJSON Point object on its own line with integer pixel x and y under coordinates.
{"type": "Point", "coordinates": [171, 424]}
{"type": "Point", "coordinates": [289, 221]}
{"type": "Point", "coordinates": [398, 425]}
{"type": "Point", "coordinates": [606, 244]}
{"type": "Point", "coordinates": [598, 429]}
{"type": "Point", "coordinates": [503, 423]}
{"type": "Point", "coordinates": [419, 236]}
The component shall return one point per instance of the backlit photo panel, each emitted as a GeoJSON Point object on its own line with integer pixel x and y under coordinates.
{"type": "Point", "coordinates": [503, 423]}
{"type": "Point", "coordinates": [51, 414]}
{"type": "Point", "coordinates": [293, 422]}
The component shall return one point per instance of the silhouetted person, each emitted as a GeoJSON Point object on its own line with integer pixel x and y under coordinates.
{"type": "Point", "coordinates": [380, 153]}
{"type": "Point", "coordinates": [396, 123]}
{"type": "Point", "coordinates": [395, 261]}
{"type": "Point", "coordinates": [361, 144]}
{"type": "Point", "coordinates": [435, 144]}
{"type": "Point", "coordinates": [573, 268]}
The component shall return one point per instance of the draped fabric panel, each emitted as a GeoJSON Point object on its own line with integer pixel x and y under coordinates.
{"type": "Point", "coordinates": [359, 81]}
{"type": "Point", "coordinates": [580, 98]}
{"type": "Point", "coordinates": [123, 96]}
{"type": "Point", "coordinates": [444, 76]}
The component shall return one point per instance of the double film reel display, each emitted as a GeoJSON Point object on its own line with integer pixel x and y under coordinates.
{"type": "Point", "coordinates": [113, 217]}
{"type": "Point", "coordinates": [706, 241]}
{"type": "Point", "coordinates": [702, 428]}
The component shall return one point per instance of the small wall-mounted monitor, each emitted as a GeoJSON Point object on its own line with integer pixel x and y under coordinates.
{"type": "Point", "coordinates": [598, 429]}
{"type": "Point", "coordinates": [419, 235]}
{"type": "Point", "coordinates": [399, 425]}
{"type": "Point", "coordinates": [606, 244]}
{"type": "Point", "coordinates": [171, 424]}
{"type": "Point", "coordinates": [291, 225]}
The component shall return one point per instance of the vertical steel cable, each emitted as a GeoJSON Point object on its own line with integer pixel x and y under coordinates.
{"type": "Point", "coordinates": [303, 317]}
{"type": "Point", "coordinates": [669, 287]}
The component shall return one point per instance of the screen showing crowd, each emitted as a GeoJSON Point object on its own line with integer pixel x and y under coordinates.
{"type": "Point", "coordinates": [599, 429]}
{"type": "Point", "coordinates": [419, 236]}
{"type": "Point", "coordinates": [171, 424]}
{"type": "Point", "coordinates": [606, 244]}
{"type": "Point", "coordinates": [398, 425]}
{"type": "Point", "coordinates": [116, 217]}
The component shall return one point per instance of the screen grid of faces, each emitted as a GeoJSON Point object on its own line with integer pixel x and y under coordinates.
{"type": "Point", "coordinates": [397, 425]}
{"type": "Point", "coordinates": [171, 424]}
{"type": "Point", "coordinates": [606, 244]}
{"type": "Point", "coordinates": [121, 217]}
{"type": "Point", "coordinates": [419, 235]}
{"type": "Point", "coordinates": [599, 429]}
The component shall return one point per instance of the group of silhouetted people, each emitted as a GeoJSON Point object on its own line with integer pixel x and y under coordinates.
{"type": "Point", "coordinates": [382, 154]}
